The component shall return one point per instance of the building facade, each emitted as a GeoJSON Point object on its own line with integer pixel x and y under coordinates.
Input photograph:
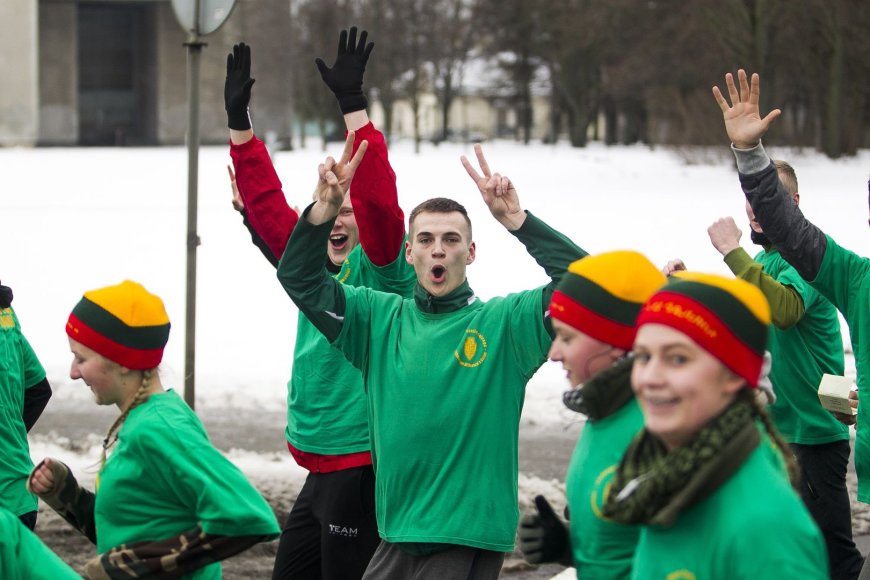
{"type": "Point", "coordinates": [114, 72]}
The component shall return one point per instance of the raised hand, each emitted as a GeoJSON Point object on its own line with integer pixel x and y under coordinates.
{"type": "Point", "coordinates": [725, 235]}
{"type": "Point", "coordinates": [498, 192]}
{"type": "Point", "coordinates": [237, 87]}
{"type": "Point", "coordinates": [676, 265]}
{"type": "Point", "coordinates": [345, 78]}
{"type": "Point", "coordinates": [334, 177]}
{"type": "Point", "coordinates": [743, 121]}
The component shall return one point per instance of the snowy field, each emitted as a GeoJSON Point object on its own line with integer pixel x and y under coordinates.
{"type": "Point", "coordinates": [78, 219]}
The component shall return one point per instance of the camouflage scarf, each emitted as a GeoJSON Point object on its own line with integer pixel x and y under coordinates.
{"type": "Point", "coordinates": [604, 394]}
{"type": "Point", "coordinates": [653, 486]}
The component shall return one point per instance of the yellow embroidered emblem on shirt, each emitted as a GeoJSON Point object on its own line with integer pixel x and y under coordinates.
{"type": "Point", "coordinates": [473, 349]}
{"type": "Point", "coordinates": [601, 491]}
{"type": "Point", "coordinates": [6, 318]}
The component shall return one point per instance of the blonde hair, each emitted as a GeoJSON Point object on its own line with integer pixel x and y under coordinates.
{"type": "Point", "coordinates": [140, 397]}
{"type": "Point", "coordinates": [786, 175]}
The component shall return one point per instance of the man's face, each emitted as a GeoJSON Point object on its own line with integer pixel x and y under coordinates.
{"type": "Point", "coordinates": [756, 227]}
{"type": "Point", "coordinates": [439, 248]}
{"type": "Point", "coordinates": [344, 235]}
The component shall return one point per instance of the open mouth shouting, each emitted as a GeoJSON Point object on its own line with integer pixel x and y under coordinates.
{"type": "Point", "coordinates": [338, 242]}
{"type": "Point", "coordinates": [438, 274]}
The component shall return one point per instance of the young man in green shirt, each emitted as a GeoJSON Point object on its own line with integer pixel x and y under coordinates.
{"type": "Point", "coordinates": [444, 372]}
{"type": "Point", "coordinates": [836, 273]}
{"type": "Point", "coordinates": [804, 342]}
{"type": "Point", "coordinates": [331, 531]}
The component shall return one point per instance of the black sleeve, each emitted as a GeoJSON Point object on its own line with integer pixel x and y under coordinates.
{"type": "Point", "coordinates": [35, 400]}
{"type": "Point", "coordinates": [259, 242]}
{"type": "Point", "coordinates": [801, 243]}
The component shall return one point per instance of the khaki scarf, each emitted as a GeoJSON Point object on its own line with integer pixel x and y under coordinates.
{"type": "Point", "coordinates": [653, 486]}
{"type": "Point", "coordinates": [604, 394]}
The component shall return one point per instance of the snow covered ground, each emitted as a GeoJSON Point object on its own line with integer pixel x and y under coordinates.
{"type": "Point", "coordinates": [77, 219]}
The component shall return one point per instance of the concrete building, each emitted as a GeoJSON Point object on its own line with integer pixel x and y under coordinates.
{"type": "Point", "coordinates": [114, 72]}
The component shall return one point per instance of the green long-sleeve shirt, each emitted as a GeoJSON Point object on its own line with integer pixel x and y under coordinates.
{"type": "Point", "coordinates": [445, 382]}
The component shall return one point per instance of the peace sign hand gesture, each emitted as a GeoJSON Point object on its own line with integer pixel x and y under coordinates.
{"type": "Point", "coordinates": [334, 179]}
{"type": "Point", "coordinates": [498, 192]}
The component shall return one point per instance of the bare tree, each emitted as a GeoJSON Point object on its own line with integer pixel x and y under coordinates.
{"type": "Point", "coordinates": [448, 42]}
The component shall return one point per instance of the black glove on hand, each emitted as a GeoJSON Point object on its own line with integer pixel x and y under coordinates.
{"type": "Point", "coordinates": [543, 536]}
{"type": "Point", "coordinates": [5, 296]}
{"type": "Point", "coordinates": [237, 88]}
{"type": "Point", "coordinates": [345, 78]}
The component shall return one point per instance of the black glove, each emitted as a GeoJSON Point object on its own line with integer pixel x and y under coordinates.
{"type": "Point", "coordinates": [345, 78]}
{"type": "Point", "coordinates": [237, 88]}
{"type": "Point", "coordinates": [543, 536]}
{"type": "Point", "coordinates": [5, 296]}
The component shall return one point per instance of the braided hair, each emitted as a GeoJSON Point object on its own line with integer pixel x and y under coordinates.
{"type": "Point", "coordinates": [139, 397]}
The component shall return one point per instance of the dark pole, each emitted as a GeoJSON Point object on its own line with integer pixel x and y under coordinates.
{"type": "Point", "coordinates": [194, 50]}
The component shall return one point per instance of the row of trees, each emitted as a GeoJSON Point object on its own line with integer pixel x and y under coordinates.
{"type": "Point", "coordinates": [643, 66]}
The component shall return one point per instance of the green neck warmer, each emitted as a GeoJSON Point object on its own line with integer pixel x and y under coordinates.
{"type": "Point", "coordinates": [461, 297]}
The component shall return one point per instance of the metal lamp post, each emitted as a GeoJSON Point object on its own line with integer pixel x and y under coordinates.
{"type": "Point", "coordinates": [197, 18]}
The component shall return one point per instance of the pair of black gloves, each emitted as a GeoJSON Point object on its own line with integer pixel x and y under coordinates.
{"type": "Point", "coordinates": [344, 78]}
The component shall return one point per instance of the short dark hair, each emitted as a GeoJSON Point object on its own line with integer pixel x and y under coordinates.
{"type": "Point", "coordinates": [439, 205]}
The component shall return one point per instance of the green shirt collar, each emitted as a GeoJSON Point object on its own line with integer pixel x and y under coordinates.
{"type": "Point", "coordinates": [461, 297]}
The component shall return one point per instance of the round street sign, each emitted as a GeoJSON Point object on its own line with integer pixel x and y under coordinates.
{"type": "Point", "coordinates": [212, 14]}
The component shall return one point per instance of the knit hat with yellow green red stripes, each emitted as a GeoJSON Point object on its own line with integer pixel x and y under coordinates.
{"type": "Point", "coordinates": [727, 317]}
{"type": "Point", "coordinates": [124, 323]}
{"type": "Point", "coordinates": [602, 295]}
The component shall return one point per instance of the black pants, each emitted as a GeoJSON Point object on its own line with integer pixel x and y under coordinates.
{"type": "Point", "coordinates": [331, 532]}
{"type": "Point", "coordinates": [28, 519]}
{"type": "Point", "coordinates": [823, 490]}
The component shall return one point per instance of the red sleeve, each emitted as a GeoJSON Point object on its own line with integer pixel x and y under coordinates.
{"type": "Point", "coordinates": [267, 210]}
{"type": "Point", "coordinates": [375, 200]}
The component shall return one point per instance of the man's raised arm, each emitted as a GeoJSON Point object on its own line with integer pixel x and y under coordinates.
{"type": "Point", "coordinates": [262, 202]}
{"type": "Point", "coordinates": [800, 242]}
{"type": "Point", "coordinates": [301, 271]}
{"type": "Point", "coordinates": [552, 250]}
{"type": "Point", "coordinates": [373, 189]}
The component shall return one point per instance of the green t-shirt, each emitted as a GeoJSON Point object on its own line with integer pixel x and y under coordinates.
{"type": "Point", "coordinates": [801, 354]}
{"type": "Point", "coordinates": [23, 556]}
{"type": "Point", "coordinates": [754, 526]}
{"type": "Point", "coordinates": [165, 477]}
{"type": "Point", "coordinates": [602, 549]}
{"type": "Point", "coordinates": [445, 392]}
{"type": "Point", "coordinates": [19, 370]}
{"type": "Point", "coordinates": [324, 415]}
{"type": "Point", "coordinates": [844, 279]}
